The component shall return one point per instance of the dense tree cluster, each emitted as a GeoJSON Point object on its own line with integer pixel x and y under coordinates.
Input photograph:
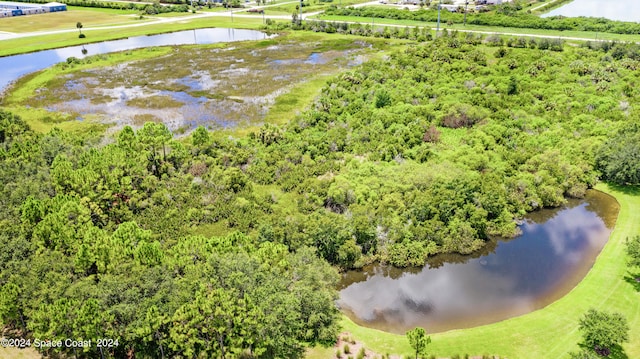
{"type": "Point", "coordinates": [501, 19]}
{"type": "Point", "coordinates": [95, 245]}
{"type": "Point", "coordinates": [602, 332]}
{"type": "Point", "coordinates": [618, 158]}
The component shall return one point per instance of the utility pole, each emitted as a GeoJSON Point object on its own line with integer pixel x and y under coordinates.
{"type": "Point", "coordinates": [300, 17]}
{"type": "Point", "coordinates": [466, 5]}
{"type": "Point", "coordinates": [438, 26]}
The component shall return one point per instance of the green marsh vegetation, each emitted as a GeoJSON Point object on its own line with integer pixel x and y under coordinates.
{"type": "Point", "coordinates": [220, 85]}
{"type": "Point", "coordinates": [220, 246]}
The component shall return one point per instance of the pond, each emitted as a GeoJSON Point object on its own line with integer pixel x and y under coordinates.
{"type": "Point", "coordinates": [555, 251]}
{"type": "Point", "coordinates": [621, 10]}
{"type": "Point", "coordinates": [15, 66]}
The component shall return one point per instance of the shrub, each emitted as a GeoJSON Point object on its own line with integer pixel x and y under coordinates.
{"type": "Point", "coordinates": [346, 349]}
{"type": "Point", "coordinates": [383, 99]}
{"type": "Point", "coordinates": [431, 135]}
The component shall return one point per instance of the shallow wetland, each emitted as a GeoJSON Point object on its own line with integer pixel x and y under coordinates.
{"type": "Point", "coordinates": [216, 86]}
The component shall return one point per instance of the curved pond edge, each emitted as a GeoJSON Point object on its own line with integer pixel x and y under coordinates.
{"type": "Point", "coordinates": [550, 332]}
{"type": "Point", "coordinates": [507, 277]}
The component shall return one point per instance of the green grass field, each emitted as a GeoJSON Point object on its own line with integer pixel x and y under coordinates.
{"type": "Point", "coordinates": [68, 20]}
{"type": "Point", "coordinates": [551, 332]}
{"type": "Point", "coordinates": [36, 43]}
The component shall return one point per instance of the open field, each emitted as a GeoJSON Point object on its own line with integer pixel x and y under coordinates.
{"type": "Point", "coordinates": [315, 5]}
{"type": "Point", "coordinates": [550, 332]}
{"type": "Point", "coordinates": [36, 43]}
{"type": "Point", "coordinates": [68, 20]}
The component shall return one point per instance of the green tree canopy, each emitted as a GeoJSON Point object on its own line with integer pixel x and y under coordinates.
{"type": "Point", "coordinates": [633, 250]}
{"type": "Point", "coordinates": [418, 340]}
{"type": "Point", "coordinates": [603, 330]}
{"type": "Point", "coordinates": [618, 157]}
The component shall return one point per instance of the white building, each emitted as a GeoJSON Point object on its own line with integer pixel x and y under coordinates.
{"type": "Point", "coordinates": [8, 9]}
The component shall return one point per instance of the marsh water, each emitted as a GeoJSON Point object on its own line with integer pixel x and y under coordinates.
{"type": "Point", "coordinates": [15, 66]}
{"type": "Point", "coordinates": [621, 10]}
{"type": "Point", "coordinates": [555, 251]}
{"type": "Point", "coordinates": [189, 86]}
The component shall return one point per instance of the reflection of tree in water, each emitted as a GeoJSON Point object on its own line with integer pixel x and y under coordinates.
{"type": "Point", "coordinates": [490, 246]}
{"type": "Point", "coordinates": [388, 271]}
{"type": "Point", "coordinates": [597, 202]}
{"type": "Point", "coordinates": [604, 206]}
{"type": "Point", "coordinates": [418, 306]}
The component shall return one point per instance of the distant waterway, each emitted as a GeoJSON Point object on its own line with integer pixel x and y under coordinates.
{"type": "Point", "coordinates": [508, 278]}
{"type": "Point", "coordinates": [13, 67]}
{"type": "Point", "coordinates": [621, 10]}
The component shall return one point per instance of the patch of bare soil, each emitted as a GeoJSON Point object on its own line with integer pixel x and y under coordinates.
{"type": "Point", "coordinates": [349, 348]}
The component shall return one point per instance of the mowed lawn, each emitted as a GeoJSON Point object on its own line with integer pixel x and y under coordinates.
{"type": "Point", "coordinates": [50, 41]}
{"type": "Point", "coordinates": [68, 20]}
{"type": "Point", "coordinates": [551, 332]}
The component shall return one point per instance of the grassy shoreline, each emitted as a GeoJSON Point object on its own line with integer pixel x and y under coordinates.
{"type": "Point", "coordinates": [46, 42]}
{"type": "Point", "coordinates": [550, 332]}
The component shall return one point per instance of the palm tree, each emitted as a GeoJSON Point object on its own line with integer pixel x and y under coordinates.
{"type": "Point", "coordinates": [79, 27]}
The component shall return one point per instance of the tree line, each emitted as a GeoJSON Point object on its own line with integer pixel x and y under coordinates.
{"type": "Point", "coordinates": [517, 20]}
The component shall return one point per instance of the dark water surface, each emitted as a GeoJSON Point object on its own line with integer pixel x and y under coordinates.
{"type": "Point", "coordinates": [621, 10]}
{"type": "Point", "coordinates": [13, 67]}
{"type": "Point", "coordinates": [508, 278]}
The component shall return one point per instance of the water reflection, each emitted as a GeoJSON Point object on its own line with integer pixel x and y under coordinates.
{"type": "Point", "coordinates": [621, 10]}
{"type": "Point", "coordinates": [556, 249]}
{"type": "Point", "coordinates": [15, 66]}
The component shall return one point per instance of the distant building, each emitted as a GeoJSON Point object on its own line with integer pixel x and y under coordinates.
{"type": "Point", "coordinates": [8, 9]}
{"type": "Point", "coordinates": [55, 6]}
